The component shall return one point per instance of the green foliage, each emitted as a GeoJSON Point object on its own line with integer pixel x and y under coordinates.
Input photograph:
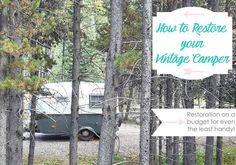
{"type": "Point", "coordinates": [128, 60]}
{"type": "Point", "coordinates": [127, 160]}
{"type": "Point", "coordinates": [5, 3]}
{"type": "Point", "coordinates": [131, 27]}
{"type": "Point", "coordinates": [48, 161]}
{"type": "Point", "coordinates": [41, 24]}
{"type": "Point", "coordinates": [91, 66]}
{"type": "Point", "coordinates": [229, 157]}
{"type": "Point", "coordinates": [30, 65]}
{"type": "Point", "coordinates": [33, 84]}
{"type": "Point", "coordinates": [60, 60]}
{"type": "Point", "coordinates": [35, 4]}
{"type": "Point", "coordinates": [44, 21]}
{"type": "Point", "coordinates": [11, 47]}
{"type": "Point", "coordinates": [92, 58]}
{"type": "Point", "coordinates": [85, 160]}
{"type": "Point", "coordinates": [93, 16]}
{"type": "Point", "coordinates": [200, 3]}
{"type": "Point", "coordinates": [20, 83]}
{"type": "Point", "coordinates": [200, 158]}
{"type": "Point", "coordinates": [132, 23]}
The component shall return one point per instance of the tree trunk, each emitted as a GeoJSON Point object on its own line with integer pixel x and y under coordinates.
{"type": "Point", "coordinates": [73, 159]}
{"type": "Point", "coordinates": [3, 125]}
{"type": "Point", "coordinates": [121, 102]}
{"type": "Point", "coordinates": [227, 5]}
{"type": "Point", "coordinates": [15, 98]}
{"type": "Point", "coordinates": [155, 7]}
{"type": "Point", "coordinates": [219, 150]}
{"type": "Point", "coordinates": [215, 5]}
{"type": "Point", "coordinates": [189, 143]}
{"type": "Point", "coordinates": [219, 140]}
{"type": "Point", "coordinates": [171, 5]}
{"type": "Point", "coordinates": [108, 130]}
{"type": "Point", "coordinates": [63, 59]}
{"type": "Point", "coordinates": [189, 147]}
{"type": "Point", "coordinates": [14, 129]}
{"type": "Point", "coordinates": [32, 130]}
{"type": "Point", "coordinates": [176, 151]}
{"type": "Point", "coordinates": [209, 150]}
{"type": "Point", "coordinates": [210, 103]}
{"type": "Point", "coordinates": [32, 116]}
{"type": "Point", "coordinates": [169, 92]}
{"type": "Point", "coordinates": [187, 3]}
{"type": "Point", "coordinates": [153, 139]}
{"type": "Point", "coordinates": [15, 123]}
{"type": "Point", "coordinates": [120, 93]}
{"type": "Point", "coordinates": [160, 138]}
{"type": "Point", "coordinates": [219, 143]}
{"type": "Point", "coordinates": [161, 93]}
{"type": "Point", "coordinates": [160, 152]}
{"type": "Point", "coordinates": [153, 120]}
{"type": "Point", "coordinates": [146, 84]}
{"type": "Point", "coordinates": [169, 104]}
{"type": "Point", "coordinates": [177, 97]}
{"type": "Point", "coordinates": [3, 97]}
{"type": "Point", "coordinates": [131, 91]}
{"type": "Point", "coordinates": [234, 101]}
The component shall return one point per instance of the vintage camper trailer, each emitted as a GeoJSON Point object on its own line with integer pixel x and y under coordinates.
{"type": "Point", "coordinates": [54, 105]}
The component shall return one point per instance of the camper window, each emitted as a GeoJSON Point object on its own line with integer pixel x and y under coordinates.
{"type": "Point", "coordinates": [63, 99]}
{"type": "Point", "coordinates": [96, 101]}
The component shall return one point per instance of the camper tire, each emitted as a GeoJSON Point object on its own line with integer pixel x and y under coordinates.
{"type": "Point", "coordinates": [85, 135]}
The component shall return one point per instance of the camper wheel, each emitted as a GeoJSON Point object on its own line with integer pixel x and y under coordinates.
{"type": "Point", "coordinates": [85, 135]}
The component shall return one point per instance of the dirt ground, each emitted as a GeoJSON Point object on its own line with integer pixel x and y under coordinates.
{"type": "Point", "coordinates": [59, 146]}
{"type": "Point", "coordinates": [129, 144]}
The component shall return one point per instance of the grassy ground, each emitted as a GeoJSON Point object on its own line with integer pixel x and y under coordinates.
{"type": "Point", "coordinates": [54, 160]}
{"type": "Point", "coordinates": [229, 158]}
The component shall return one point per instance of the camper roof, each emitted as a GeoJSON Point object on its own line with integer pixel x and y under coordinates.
{"type": "Point", "coordinates": [65, 88]}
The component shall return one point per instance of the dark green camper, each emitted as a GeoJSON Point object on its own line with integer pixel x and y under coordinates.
{"type": "Point", "coordinates": [54, 104]}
